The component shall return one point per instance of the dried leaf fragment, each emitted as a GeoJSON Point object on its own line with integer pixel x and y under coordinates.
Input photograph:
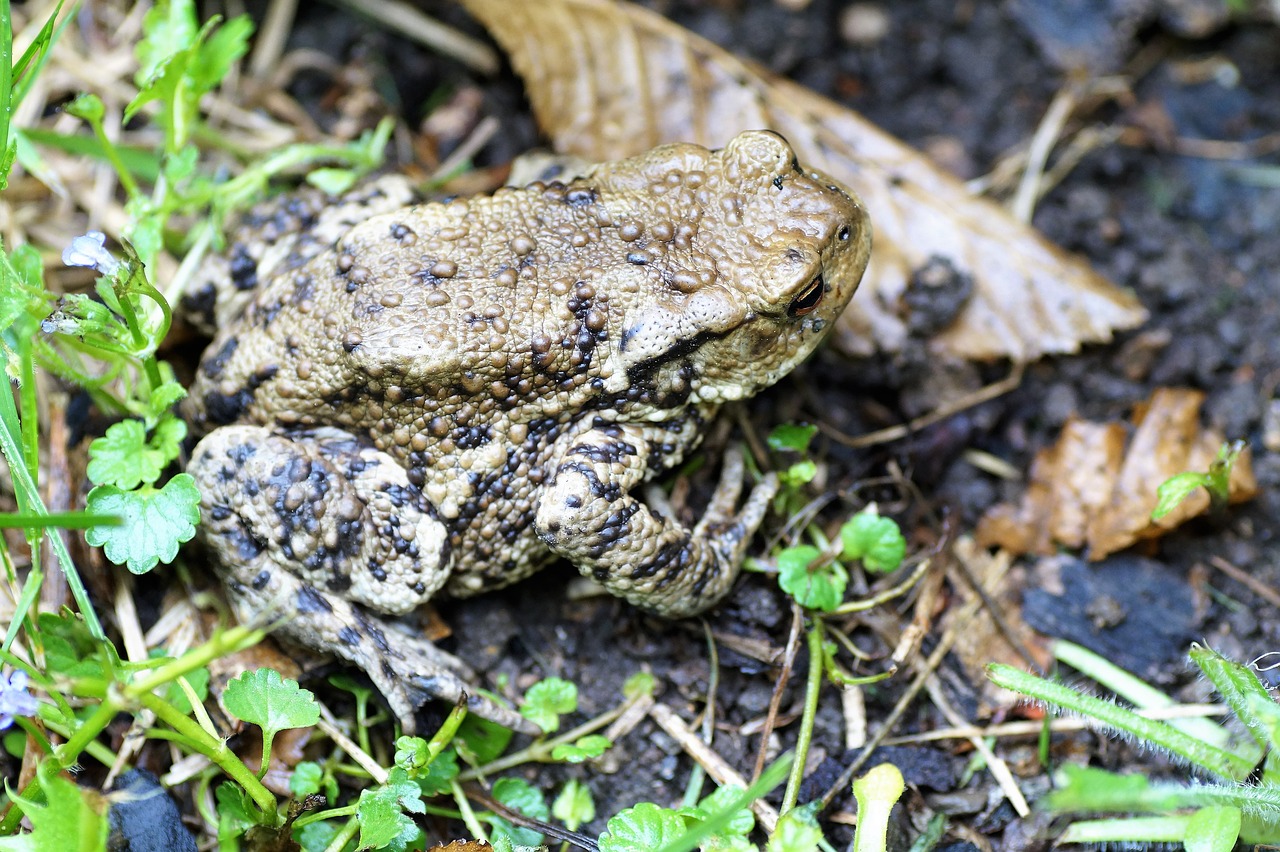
{"type": "Point", "coordinates": [1096, 486]}
{"type": "Point", "coordinates": [609, 79]}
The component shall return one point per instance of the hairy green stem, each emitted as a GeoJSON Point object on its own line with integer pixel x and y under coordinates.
{"type": "Point", "coordinates": [813, 686]}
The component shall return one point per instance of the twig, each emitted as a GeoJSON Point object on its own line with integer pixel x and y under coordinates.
{"type": "Point", "coordinates": [1254, 585]}
{"type": "Point", "coordinates": [410, 22]}
{"type": "Point", "coordinates": [902, 430]}
{"type": "Point", "coordinates": [999, 769]}
{"type": "Point", "coordinates": [775, 700]}
{"type": "Point", "coordinates": [1046, 136]}
{"type": "Point", "coordinates": [899, 710]}
{"type": "Point", "coordinates": [715, 766]}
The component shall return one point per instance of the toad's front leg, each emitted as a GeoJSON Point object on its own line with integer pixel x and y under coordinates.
{"type": "Point", "coordinates": [588, 515]}
{"type": "Point", "coordinates": [320, 533]}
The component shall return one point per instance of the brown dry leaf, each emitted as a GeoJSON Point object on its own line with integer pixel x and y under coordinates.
{"type": "Point", "coordinates": [982, 640]}
{"type": "Point", "coordinates": [1091, 490]}
{"type": "Point", "coordinates": [609, 79]}
{"type": "Point", "coordinates": [462, 846]}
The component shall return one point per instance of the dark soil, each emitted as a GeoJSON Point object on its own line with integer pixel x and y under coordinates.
{"type": "Point", "coordinates": [1192, 236]}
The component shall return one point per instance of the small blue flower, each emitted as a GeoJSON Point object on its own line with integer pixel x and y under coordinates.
{"type": "Point", "coordinates": [14, 698]}
{"type": "Point", "coordinates": [90, 250]}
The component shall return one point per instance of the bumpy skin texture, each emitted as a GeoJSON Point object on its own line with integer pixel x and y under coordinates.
{"type": "Point", "coordinates": [408, 398]}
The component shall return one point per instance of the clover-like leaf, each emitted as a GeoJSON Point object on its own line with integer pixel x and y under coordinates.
{"type": "Point", "coordinates": [153, 522]}
{"type": "Point", "coordinates": [820, 587]}
{"type": "Point", "coordinates": [642, 828]}
{"type": "Point", "coordinates": [575, 805]}
{"type": "Point", "coordinates": [382, 813]}
{"type": "Point", "coordinates": [792, 436]}
{"type": "Point", "coordinates": [874, 539]}
{"type": "Point", "coordinates": [263, 698]}
{"type": "Point", "coordinates": [547, 700]}
{"type": "Point", "coordinates": [123, 457]}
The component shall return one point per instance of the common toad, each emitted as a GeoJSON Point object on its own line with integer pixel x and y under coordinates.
{"type": "Point", "coordinates": [407, 399]}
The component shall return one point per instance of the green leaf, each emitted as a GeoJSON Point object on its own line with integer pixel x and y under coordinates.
{"type": "Point", "coordinates": [640, 683]}
{"type": "Point", "coordinates": [67, 821]}
{"type": "Point", "coordinates": [154, 522]}
{"type": "Point", "coordinates": [70, 649]}
{"type": "Point", "coordinates": [547, 700]}
{"type": "Point", "coordinates": [876, 540]}
{"type": "Point", "coordinates": [574, 806]}
{"type": "Point", "coordinates": [381, 812]}
{"type": "Point", "coordinates": [222, 49]}
{"type": "Point", "coordinates": [800, 473]}
{"type": "Point", "coordinates": [1239, 686]}
{"type": "Point", "coordinates": [439, 774]}
{"type": "Point", "coordinates": [412, 754]}
{"type": "Point", "coordinates": [1174, 490]}
{"type": "Point", "coordinates": [198, 680]}
{"type": "Point", "coordinates": [164, 396]}
{"type": "Point", "coordinates": [316, 836]}
{"type": "Point", "coordinates": [305, 778]}
{"type": "Point", "coordinates": [821, 588]}
{"type": "Point", "coordinates": [235, 812]}
{"type": "Point", "coordinates": [263, 698]}
{"type": "Point", "coordinates": [587, 748]}
{"type": "Point", "coordinates": [642, 828]}
{"type": "Point", "coordinates": [797, 831]}
{"type": "Point", "coordinates": [519, 795]}
{"type": "Point", "coordinates": [166, 440]}
{"type": "Point", "coordinates": [480, 740]}
{"type": "Point", "coordinates": [123, 458]}
{"type": "Point", "coordinates": [1213, 829]}
{"type": "Point", "coordinates": [791, 436]}
{"type": "Point", "coordinates": [332, 181]}
{"type": "Point", "coordinates": [739, 823]}
{"type": "Point", "coordinates": [168, 28]}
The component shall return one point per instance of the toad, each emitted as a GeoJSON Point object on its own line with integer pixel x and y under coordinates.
{"type": "Point", "coordinates": [406, 399]}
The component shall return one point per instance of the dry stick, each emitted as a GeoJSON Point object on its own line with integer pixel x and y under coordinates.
{"type": "Point", "coordinates": [902, 430]}
{"type": "Point", "coordinates": [268, 47]}
{"type": "Point", "coordinates": [775, 700]}
{"type": "Point", "coordinates": [895, 715]}
{"type": "Point", "coordinates": [713, 763]}
{"type": "Point", "coordinates": [404, 19]}
{"type": "Point", "coordinates": [1254, 585]}
{"type": "Point", "coordinates": [999, 769]}
{"type": "Point", "coordinates": [329, 728]}
{"type": "Point", "coordinates": [1046, 136]}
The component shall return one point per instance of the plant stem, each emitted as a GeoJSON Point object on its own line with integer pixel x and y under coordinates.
{"type": "Point", "coordinates": [812, 687]}
{"type": "Point", "coordinates": [200, 740]}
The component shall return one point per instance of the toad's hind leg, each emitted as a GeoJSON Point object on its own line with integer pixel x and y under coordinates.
{"type": "Point", "coordinates": [316, 533]}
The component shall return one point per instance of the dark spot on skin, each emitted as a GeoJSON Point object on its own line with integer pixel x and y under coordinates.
{"type": "Point", "coordinates": [243, 268]}
{"type": "Point", "coordinates": [777, 182]}
{"type": "Point", "coordinates": [639, 258]}
{"type": "Point", "coordinates": [348, 636]}
{"type": "Point", "coordinates": [260, 581]}
{"type": "Point", "coordinates": [214, 363]}
{"type": "Point", "coordinates": [309, 601]}
{"type": "Point", "coordinates": [221, 409]}
{"type": "Point", "coordinates": [581, 197]}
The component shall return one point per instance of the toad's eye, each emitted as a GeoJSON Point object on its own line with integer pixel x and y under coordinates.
{"type": "Point", "coordinates": [807, 300]}
{"type": "Point", "coordinates": [844, 234]}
